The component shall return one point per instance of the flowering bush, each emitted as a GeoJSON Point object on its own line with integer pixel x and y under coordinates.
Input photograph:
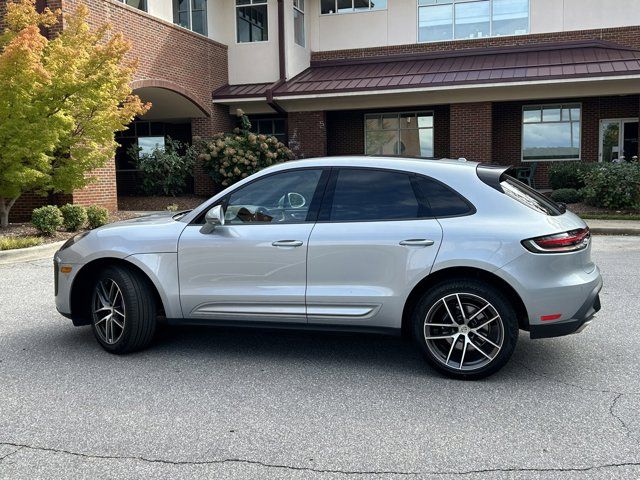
{"type": "Point", "coordinates": [230, 157]}
{"type": "Point", "coordinates": [613, 185]}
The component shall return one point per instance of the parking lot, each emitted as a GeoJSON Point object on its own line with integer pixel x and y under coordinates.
{"type": "Point", "coordinates": [225, 403]}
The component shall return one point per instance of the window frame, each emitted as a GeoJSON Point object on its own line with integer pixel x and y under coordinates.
{"type": "Point", "coordinates": [235, 21]}
{"type": "Point", "coordinates": [453, 20]}
{"type": "Point", "coordinates": [324, 214]}
{"type": "Point", "coordinates": [314, 206]}
{"type": "Point", "coordinates": [399, 114]}
{"type": "Point", "coordinates": [542, 106]}
{"type": "Point", "coordinates": [175, 5]}
{"type": "Point", "coordinates": [353, 9]}
{"type": "Point", "coordinates": [296, 8]}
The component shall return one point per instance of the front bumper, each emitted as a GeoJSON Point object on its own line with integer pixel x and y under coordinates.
{"type": "Point", "coordinates": [576, 324]}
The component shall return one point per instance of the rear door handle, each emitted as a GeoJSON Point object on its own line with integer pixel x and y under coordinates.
{"type": "Point", "coordinates": [287, 243]}
{"type": "Point", "coordinates": [417, 242]}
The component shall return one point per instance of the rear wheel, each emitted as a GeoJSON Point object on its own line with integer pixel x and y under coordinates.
{"type": "Point", "coordinates": [123, 310]}
{"type": "Point", "coordinates": [467, 329]}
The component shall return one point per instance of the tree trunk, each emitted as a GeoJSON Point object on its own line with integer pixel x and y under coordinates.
{"type": "Point", "coordinates": [5, 208]}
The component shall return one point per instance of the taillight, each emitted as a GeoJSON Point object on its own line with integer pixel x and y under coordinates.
{"type": "Point", "coordinates": [570, 241]}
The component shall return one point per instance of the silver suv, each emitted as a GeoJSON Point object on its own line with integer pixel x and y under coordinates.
{"type": "Point", "coordinates": [456, 254]}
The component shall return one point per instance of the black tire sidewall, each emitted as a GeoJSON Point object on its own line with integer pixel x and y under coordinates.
{"type": "Point", "coordinates": [487, 292]}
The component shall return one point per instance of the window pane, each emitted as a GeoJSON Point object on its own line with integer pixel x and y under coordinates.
{"type": "Point", "coordinates": [373, 195]}
{"type": "Point", "coordinates": [382, 142]}
{"type": "Point", "coordinates": [279, 127]}
{"type": "Point", "coordinates": [148, 144]}
{"type": "Point", "coordinates": [408, 120]}
{"type": "Point", "coordinates": [435, 23]}
{"type": "Point", "coordinates": [390, 121]}
{"type": "Point", "coordinates": [372, 122]}
{"type": "Point", "coordinates": [361, 4]}
{"type": "Point", "coordinates": [510, 17]}
{"type": "Point", "coordinates": [345, 5]}
{"type": "Point", "coordinates": [551, 114]}
{"type": "Point", "coordinates": [425, 120]}
{"type": "Point", "coordinates": [280, 198]}
{"type": "Point", "coordinates": [328, 6]}
{"type": "Point", "coordinates": [416, 143]}
{"type": "Point", "coordinates": [575, 114]}
{"type": "Point", "coordinates": [548, 141]}
{"type": "Point", "coordinates": [198, 4]}
{"type": "Point", "coordinates": [198, 22]}
{"type": "Point", "coordinates": [252, 23]}
{"type": "Point", "coordinates": [298, 27]}
{"type": "Point", "coordinates": [531, 115]}
{"type": "Point", "coordinates": [378, 4]}
{"type": "Point", "coordinates": [472, 20]}
{"type": "Point", "coordinates": [139, 4]}
{"type": "Point", "coordinates": [183, 19]}
{"type": "Point", "coordinates": [443, 201]}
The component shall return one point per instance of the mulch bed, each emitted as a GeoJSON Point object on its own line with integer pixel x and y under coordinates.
{"type": "Point", "coordinates": [584, 208]}
{"type": "Point", "coordinates": [143, 203]}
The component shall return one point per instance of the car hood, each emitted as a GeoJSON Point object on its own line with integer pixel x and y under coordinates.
{"type": "Point", "coordinates": [155, 233]}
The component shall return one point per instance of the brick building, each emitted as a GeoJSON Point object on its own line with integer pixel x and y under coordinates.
{"type": "Point", "coordinates": [520, 82]}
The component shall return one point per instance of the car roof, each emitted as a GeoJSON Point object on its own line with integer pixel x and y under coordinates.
{"type": "Point", "coordinates": [420, 165]}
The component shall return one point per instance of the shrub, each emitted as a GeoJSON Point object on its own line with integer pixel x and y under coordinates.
{"type": "Point", "coordinates": [568, 174]}
{"type": "Point", "coordinates": [97, 216]}
{"type": "Point", "coordinates": [73, 217]}
{"type": "Point", "coordinates": [47, 219]}
{"type": "Point", "coordinates": [566, 195]}
{"type": "Point", "coordinates": [613, 185]}
{"type": "Point", "coordinates": [228, 158]}
{"type": "Point", "coordinates": [165, 170]}
{"type": "Point", "coordinates": [172, 207]}
{"type": "Point", "coordinates": [11, 243]}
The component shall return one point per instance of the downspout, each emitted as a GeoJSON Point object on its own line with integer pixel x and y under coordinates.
{"type": "Point", "coordinates": [281, 62]}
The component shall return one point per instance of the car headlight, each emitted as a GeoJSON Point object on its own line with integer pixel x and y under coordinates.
{"type": "Point", "coordinates": [74, 239]}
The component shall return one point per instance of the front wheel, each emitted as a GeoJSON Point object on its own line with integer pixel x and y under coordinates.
{"type": "Point", "coordinates": [466, 328]}
{"type": "Point", "coordinates": [123, 310]}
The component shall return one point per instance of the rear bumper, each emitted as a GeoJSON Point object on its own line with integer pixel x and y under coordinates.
{"type": "Point", "coordinates": [576, 324]}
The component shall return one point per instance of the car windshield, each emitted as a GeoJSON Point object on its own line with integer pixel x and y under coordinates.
{"type": "Point", "coordinates": [530, 197]}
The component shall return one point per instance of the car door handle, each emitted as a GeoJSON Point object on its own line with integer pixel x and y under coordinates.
{"type": "Point", "coordinates": [287, 243]}
{"type": "Point", "coordinates": [417, 242]}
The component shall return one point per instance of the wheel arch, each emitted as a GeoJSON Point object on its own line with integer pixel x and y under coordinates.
{"type": "Point", "coordinates": [82, 283]}
{"type": "Point", "coordinates": [463, 273]}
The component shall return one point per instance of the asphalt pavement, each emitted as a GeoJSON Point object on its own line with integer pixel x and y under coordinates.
{"type": "Point", "coordinates": [225, 403]}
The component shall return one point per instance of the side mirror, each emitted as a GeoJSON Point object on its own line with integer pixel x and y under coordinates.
{"type": "Point", "coordinates": [213, 218]}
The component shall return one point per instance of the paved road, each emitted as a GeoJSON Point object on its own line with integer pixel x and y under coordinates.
{"type": "Point", "coordinates": [240, 404]}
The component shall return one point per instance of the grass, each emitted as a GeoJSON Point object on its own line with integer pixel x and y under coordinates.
{"type": "Point", "coordinates": [11, 243]}
{"type": "Point", "coordinates": [607, 216]}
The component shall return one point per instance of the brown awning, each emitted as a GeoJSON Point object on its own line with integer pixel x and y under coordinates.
{"type": "Point", "coordinates": [574, 60]}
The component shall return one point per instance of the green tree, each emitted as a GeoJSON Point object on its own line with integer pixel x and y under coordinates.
{"type": "Point", "coordinates": [61, 101]}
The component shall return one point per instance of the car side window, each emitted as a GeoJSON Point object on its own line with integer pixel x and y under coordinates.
{"type": "Point", "coordinates": [370, 195]}
{"type": "Point", "coordinates": [443, 201]}
{"type": "Point", "coordinates": [280, 198]}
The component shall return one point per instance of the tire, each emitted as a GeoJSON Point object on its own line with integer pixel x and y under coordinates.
{"type": "Point", "coordinates": [132, 323]}
{"type": "Point", "coordinates": [466, 351]}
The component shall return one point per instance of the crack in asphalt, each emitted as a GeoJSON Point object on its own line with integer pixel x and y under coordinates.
{"type": "Point", "coordinates": [21, 446]}
{"type": "Point", "coordinates": [625, 427]}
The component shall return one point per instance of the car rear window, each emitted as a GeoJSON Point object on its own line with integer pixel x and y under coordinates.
{"type": "Point", "coordinates": [529, 197]}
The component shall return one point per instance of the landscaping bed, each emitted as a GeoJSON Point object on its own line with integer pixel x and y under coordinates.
{"type": "Point", "coordinates": [157, 203]}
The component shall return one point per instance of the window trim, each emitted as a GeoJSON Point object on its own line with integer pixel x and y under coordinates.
{"type": "Point", "coordinates": [324, 215]}
{"type": "Point", "coordinates": [399, 113]}
{"type": "Point", "coordinates": [175, 6]}
{"type": "Point", "coordinates": [314, 207]}
{"type": "Point", "coordinates": [235, 21]}
{"type": "Point", "coordinates": [296, 7]}
{"type": "Point", "coordinates": [353, 10]}
{"type": "Point", "coordinates": [453, 20]}
{"type": "Point", "coordinates": [542, 106]}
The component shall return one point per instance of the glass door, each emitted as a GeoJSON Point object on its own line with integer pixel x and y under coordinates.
{"type": "Point", "coordinates": [618, 139]}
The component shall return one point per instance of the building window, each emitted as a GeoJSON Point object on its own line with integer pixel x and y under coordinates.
{"type": "Point", "coordinates": [406, 134]}
{"type": "Point", "coordinates": [298, 22]}
{"type": "Point", "coordinates": [270, 126]}
{"type": "Point", "coordinates": [440, 20]}
{"type": "Point", "coordinates": [191, 14]}
{"type": "Point", "coordinates": [328, 7]}
{"type": "Point", "coordinates": [252, 21]}
{"type": "Point", "coordinates": [139, 4]}
{"type": "Point", "coordinates": [551, 132]}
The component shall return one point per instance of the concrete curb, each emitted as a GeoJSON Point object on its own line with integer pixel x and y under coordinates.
{"type": "Point", "coordinates": [31, 253]}
{"type": "Point", "coordinates": [614, 231]}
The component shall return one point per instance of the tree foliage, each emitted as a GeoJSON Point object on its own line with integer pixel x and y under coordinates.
{"type": "Point", "coordinates": [61, 100]}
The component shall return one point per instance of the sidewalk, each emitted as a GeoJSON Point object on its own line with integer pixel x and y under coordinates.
{"type": "Point", "coordinates": [614, 227]}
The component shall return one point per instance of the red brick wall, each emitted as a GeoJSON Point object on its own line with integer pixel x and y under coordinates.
{"type": "Point", "coordinates": [471, 131]}
{"type": "Point", "coordinates": [308, 134]}
{"type": "Point", "coordinates": [101, 192]}
{"type": "Point", "coordinates": [627, 36]}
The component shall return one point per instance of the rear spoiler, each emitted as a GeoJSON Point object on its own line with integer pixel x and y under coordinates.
{"type": "Point", "coordinates": [492, 175]}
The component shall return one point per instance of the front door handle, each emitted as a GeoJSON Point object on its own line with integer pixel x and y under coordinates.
{"type": "Point", "coordinates": [417, 242]}
{"type": "Point", "coordinates": [287, 243]}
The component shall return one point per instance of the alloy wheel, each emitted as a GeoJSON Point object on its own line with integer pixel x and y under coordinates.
{"type": "Point", "coordinates": [463, 331]}
{"type": "Point", "coordinates": [109, 315]}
